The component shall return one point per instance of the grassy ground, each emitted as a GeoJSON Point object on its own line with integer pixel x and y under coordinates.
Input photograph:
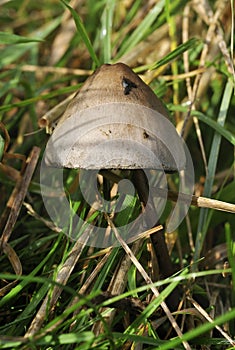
{"type": "Point", "coordinates": [58, 294]}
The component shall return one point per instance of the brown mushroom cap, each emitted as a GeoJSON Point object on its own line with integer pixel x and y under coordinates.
{"type": "Point", "coordinates": [107, 84]}
{"type": "Point", "coordinates": [115, 121]}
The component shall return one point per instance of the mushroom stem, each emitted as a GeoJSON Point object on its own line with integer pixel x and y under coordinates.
{"type": "Point", "coordinates": [157, 239]}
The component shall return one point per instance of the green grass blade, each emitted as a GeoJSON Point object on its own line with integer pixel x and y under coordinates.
{"type": "Point", "coordinates": [8, 38]}
{"type": "Point", "coordinates": [99, 283]}
{"type": "Point", "coordinates": [21, 322]}
{"type": "Point", "coordinates": [148, 311]}
{"type": "Point", "coordinates": [142, 29]}
{"type": "Point", "coordinates": [190, 44]}
{"type": "Point", "coordinates": [228, 135]}
{"type": "Point", "coordinates": [213, 158]}
{"type": "Point", "coordinates": [106, 29]}
{"type": "Point", "coordinates": [216, 126]}
{"type": "Point", "coordinates": [196, 332]}
{"type": "Point", "coordinates": [16, 290]}
{"type": "Point", "coordinates": [145, 340]}
{"type": "Point", "coordinates": [83, 33]}
{"type": "Point", "coordinates": [231, 251]}
{"type": "Point", "coordinates": [12, 53]}
{"type": "Point", "coordinates": [29, 101]}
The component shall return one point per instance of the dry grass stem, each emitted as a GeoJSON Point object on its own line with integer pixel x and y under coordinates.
{"type": "Point", "coordinates": [148, 281]}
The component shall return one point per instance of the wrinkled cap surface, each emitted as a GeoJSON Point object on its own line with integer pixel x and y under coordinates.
{"type": "Point", "coordinates": [115, 121]}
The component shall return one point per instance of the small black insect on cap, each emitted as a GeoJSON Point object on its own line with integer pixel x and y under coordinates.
{"type": "Point", "coordinates": [128, 85]}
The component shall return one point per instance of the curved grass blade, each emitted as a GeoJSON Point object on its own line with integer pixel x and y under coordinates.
{"type": "Point", "coordinates": [216, 126]}
{"type": "Point", "coordinates": [82, 31]}
{"type": "Point", "coordinates": [190, 44]}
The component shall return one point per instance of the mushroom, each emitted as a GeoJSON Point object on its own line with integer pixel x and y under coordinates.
{"type": "Point", "coordinates": [116, 121]}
